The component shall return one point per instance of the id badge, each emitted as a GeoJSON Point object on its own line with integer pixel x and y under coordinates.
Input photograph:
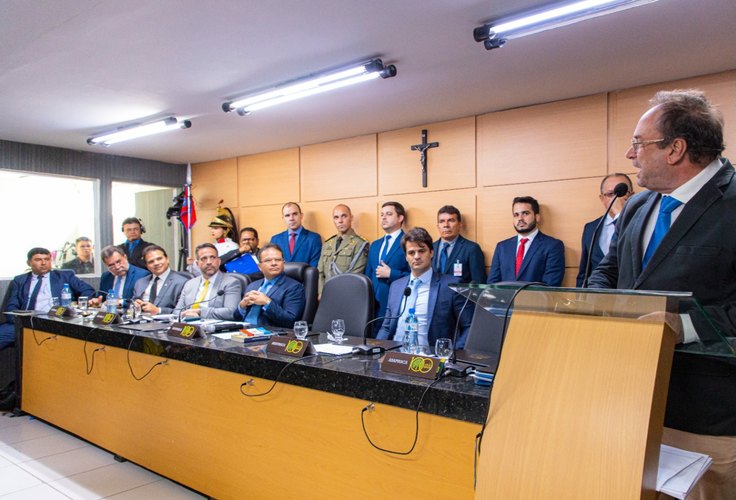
{"type": "Point", "coordinates": [457, 269]}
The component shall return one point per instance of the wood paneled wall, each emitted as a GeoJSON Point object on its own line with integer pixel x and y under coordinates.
{"type": "Point", "coordinates": [557, 152]}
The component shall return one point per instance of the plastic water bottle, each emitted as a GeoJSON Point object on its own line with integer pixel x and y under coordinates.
{"type": "Point", "coordinates": [112, 302]}
{"type": "Point", "coordinates": [411, 332]}
{"type": "Point", "coordinates": [66, 295]}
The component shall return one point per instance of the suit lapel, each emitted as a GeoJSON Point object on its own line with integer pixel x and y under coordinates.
{"type": "Point", "coordinates": [639, 221]}
{"type": "Point", "coordinates": [162, 288]}
{"type": "Point", "coordinates": [396, 247]}
{"type": "Point", "coordinates": [299, 241]}
{"type": "Point", "coordinates": [530, 253]}
{"type": "Point", "coordinates": [434, 287]}
{"type": "Point", "coordinates": [454, 255]}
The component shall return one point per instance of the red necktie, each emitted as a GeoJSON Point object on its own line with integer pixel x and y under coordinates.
{"type": "Point", "coordinates": [520, 254]}
{"type": "Point", "coordinates": [292, 241]}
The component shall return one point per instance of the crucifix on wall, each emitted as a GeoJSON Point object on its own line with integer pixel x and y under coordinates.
{"type": "Point", "coordinates": [422, 148]}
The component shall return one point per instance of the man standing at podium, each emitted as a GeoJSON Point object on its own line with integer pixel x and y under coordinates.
{"type": "Point", "coordinates": [679, 236]}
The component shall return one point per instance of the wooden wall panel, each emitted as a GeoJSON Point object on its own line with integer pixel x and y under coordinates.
{"type": "Point", "coordinates": [201, 230]}
{"type": "Point", "coordinates": [214, 181]}
{"type": "Point", "coordinates": [339, 169]}
{"type": "Point", "coordinates": [450, 166]}
{"type": "Point", "coordinates": [560, 140]}
{"type": "Point", "coordinates": [318, 217]}
{"type": "Point", "coordinates": [266, 219]}
{"type": "Point", "coordinates": [269, 178]}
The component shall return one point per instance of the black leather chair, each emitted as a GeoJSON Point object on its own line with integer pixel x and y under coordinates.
{"type": "Point", "coordinates": [244, 281]}
{"type": "Point", "coordinates": [346, 296]}
{"type": "Point", "coordinates": [186, 274]}
{"type": "Point", "coordinates": [309, 277]}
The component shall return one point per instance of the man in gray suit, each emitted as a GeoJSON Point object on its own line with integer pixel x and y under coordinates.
{"type": "Point", "coordinates": [213, 294]}
{"type": "Point", "coordinates": [679, 236]}
{"type": "Point", "coordinates": [159, 292]}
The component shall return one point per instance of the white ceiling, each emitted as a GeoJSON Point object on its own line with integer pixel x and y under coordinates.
{"type": "Point", "coordinates": [71, 68]}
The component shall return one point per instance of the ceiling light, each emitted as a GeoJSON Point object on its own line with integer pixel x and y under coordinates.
{"type": "Point", "coordinates": [310, 85]}
{"type": "Point", "coordinates": [138, 130]}
{"type": "Point", "coordinates": [495, 33]}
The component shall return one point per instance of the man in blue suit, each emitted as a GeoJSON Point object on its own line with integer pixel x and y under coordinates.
{"type": "Point", "coordinates": [275, 300]}
{"type": "Point", "coordinates": [437, 307]}
{"type": "Point", "coordinates": [454, 255]}
{"type": "Point", "coordinates": [120, 275]}
{"type": "Point", "coordinates": [298, 243]}
{"type": "Point", "coordinates": [386, 259]}
{"type": "Point", "coordinates": [607, 228]}
{"type": "Point", "coordinates": [35, 290]}
{"type": "Point", "coordinates": [530, 255]}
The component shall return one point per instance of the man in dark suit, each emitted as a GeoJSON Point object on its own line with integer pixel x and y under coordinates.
{"type": "Point", "coordinates": [159, 292]}
{"type": "Point", "coordinates": [605, 233]}
{"type": "Point", "coordinates": [386, 259]}
{"type": "Point", "coordinates": [133, 248]}
{"type": "Point", "coordinates": [84, 262]}
{"type": "Point", "coordinates": [679, 236]}
{"type": "Point", "coordinates": [454, 255]}
{"type": "Point", "coordinates": [298, 243]}
{"type": "Point", "coordinates": [437, 307]}
{"type": "Point", "coordinates": [530, 256]}
{"type": "Point", "coordinates": [35, 290]}
{"type": "Point", "coordinates": [275, 300]}
{"type": "Point", "coordinates": [120, 275]}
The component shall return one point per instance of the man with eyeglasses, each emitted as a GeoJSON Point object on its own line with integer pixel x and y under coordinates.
{"type": "Point", "coordinates": [679, 236]}
{"type": "Point", "coordinates": [119, 277]}
{"type": "Point", "coordinates": [275, 300]}
{"type": "Point", "coordinates": [606, 232]}
{"type": "Point", "coordinates": [245, 259]}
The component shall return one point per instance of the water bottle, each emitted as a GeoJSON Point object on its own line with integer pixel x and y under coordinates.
{"type": "Point", "coordinates": [112, 302]}
{"type": "Point", "coordinates": [66, 295]}
{"type": "Point", "coordinates": [411, 332]}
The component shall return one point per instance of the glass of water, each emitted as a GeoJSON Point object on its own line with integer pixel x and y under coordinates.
{"type": "Point", "coordinates": [338, 330]}
{"type": "Point", "coordinates": [83, 304]}
{"type": "Point", "coordinates": [301, 329]}
{"type": "Point", "coordinates": [443, 348]}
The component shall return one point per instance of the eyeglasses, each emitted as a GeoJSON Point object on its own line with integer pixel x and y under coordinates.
{"type": "Point", "coordinates": [270, 261]}
{"type": "Point", "coordinates": [636, 145]}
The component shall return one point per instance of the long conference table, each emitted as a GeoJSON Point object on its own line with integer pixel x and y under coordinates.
{"type": "Point", "coordinates": [188, 418]}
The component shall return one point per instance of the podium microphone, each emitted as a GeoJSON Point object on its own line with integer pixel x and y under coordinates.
{"type": "Point", "coordinates": [366, 350]}
{"type": "Point", "coordinates": [452, 369]}
{"type": "Point", "coordinates": [220, 293]}
{"type": "Point", "coordinates": [620, 190]}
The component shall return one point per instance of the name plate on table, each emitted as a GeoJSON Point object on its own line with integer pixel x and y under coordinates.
{"type": "Point", "coordinates": [413, 365]}
{"type": "Point", "coordinates": [61, 311]}
{"type": "Point", "coordinates": [184, 331]}
{"type": "Point", "coordinates": [290, 346]}
{"type": "Point", "coordinates": [107, 318]}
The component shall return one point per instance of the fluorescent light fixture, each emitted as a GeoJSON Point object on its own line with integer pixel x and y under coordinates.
{"type": "Point", "coordinates": [495, 33]}
{"type": "Point", "coordinates": [138, 130]}
{"type": "Point", "coordinates": [311, 85]}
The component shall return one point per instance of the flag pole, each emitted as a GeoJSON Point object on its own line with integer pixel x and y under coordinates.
{"type": "Point", "coordinates": [189, 209]}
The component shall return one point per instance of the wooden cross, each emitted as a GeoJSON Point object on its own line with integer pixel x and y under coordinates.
{"type": "Point", "coordinates": [422, 148]}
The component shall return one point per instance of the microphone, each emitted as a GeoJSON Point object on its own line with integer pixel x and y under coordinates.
{"type": "Point", "coordinates": [453, 369]}
{"type": "Point", "coordinates": [366, 350]}
{"type": "Point", "coordinates": [620, 190]}
{"type": "Point", "coordinates": [220, 293]}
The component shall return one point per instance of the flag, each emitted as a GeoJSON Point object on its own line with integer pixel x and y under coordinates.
{"type": "Point", "coordinates": [188, 213]}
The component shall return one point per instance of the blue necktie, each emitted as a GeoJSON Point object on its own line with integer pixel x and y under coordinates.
{"type": "Point", "coordinates": [34, 294]}
{"type": "Point", "coordinates": [664, 220]}
{"type": "Point", "coordinates": [255, 310]}
{"type": "Point", "coordinates": [443, 256]}
{"type": "Point", "coordinates": [385, 247]}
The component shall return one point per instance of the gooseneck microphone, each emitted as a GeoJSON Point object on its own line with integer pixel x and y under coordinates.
{"type": "Point", "coordinates": [367, 350]}
{"type": "Point", "coordinates": [452, 369]}
{"type": "Point", "coordinates": [219, 293]}
{"type": "Point", "coordinates": [620, 190]}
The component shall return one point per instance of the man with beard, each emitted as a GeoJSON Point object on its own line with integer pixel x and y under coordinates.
{"type": "Point", "coordinates": [530, 256]}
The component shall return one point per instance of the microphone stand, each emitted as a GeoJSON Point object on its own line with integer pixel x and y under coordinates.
{"type": "Point", "coordinates": [452, 368]}
{"type": "Point", "coordinates": [220, 293]}
{"type": "Point", "coordinates": [367, 350]}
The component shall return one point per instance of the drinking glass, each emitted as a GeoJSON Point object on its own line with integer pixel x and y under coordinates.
{"type": "Point", "coordinates": [443, 348]}
{"type": "Point", "coordinates": [83, 304]}
{"type": "Point", "coordinates": [338, 330]}
{"type": "Point", "coordinates": [301, 329]}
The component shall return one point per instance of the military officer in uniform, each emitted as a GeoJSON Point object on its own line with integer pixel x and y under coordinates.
{"type": "Point", "coordinates": [346, 251]}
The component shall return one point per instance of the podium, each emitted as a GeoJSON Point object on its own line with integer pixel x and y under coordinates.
{"type": "Point", "coordinates": [578, 400]}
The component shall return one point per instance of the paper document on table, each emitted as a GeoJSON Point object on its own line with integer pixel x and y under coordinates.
{"type": "Point", "coordinates": [333, 349]}
{"type": "Point", "coordinates": [679, 470]}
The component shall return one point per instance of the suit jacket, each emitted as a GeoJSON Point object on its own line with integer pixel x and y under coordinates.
{"type": "Point", "coordinates": [107, 280]}
{"type": "Point", "coordinates": [307, 248]}
{"type": "Point", "coordinates": [698, 254]}
{"type": "Point", "coordinates": [219, 307]}
{"type": "Point", "coordinates": [469, 254]}
{"type": "Point", "coordinates": [396, 260]}
{"type": "Point", "coordinates": [168, 291]}
{"type": "Point", "coordinates": [287, 303]}
{"type": "Point", "coordinates": [136, 258]}
{"type": "Point", "coordinates": [597, 252]}
{"type": "Point", "coordinates": [544, 261]}
{"type": "Point", "coordinates": [444, 307]}
{"type": "Point", "coordinates": [19, 290]}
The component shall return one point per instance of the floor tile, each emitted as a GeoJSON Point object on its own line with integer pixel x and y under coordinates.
{"type": "Point", "coordinates": [40, 492]}
{"type": "Point", "coordinates": [40, 447]}
{"type": "Point", "coordinates": [13, 478]}
{"type": "Point", "coordinates": [25, 430]}
{"type": "Point", "coordinates": [6, 420]}
{"type": "Point", "coordinates": [105, 481]}
{"type": "Point", "coordinates": [68, 463]}
{"type": "Point", "coordinates": [160, 490]}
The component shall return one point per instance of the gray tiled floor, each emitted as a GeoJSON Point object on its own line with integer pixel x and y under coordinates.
{"type": "Point", "coordinates": [38, 461]}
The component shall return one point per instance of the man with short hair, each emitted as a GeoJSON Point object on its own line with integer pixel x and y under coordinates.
{"type": "Point", "coordinates": [159, 292]}
{"type": "Point", "coordinates": [298, 243]}
{"type": "Point", "coordinates": [133, 247]}
{"type": "Point", "coordinates": [83, 263]}
{"type": "Point", "coordinates": [275, 300]}
{"type": "Point", "coordinates": [454, 255]}
{"type": "Point", "coordinates": [201, 295]}
{"type": "Point", "coordinates": [436, 306]}
{"type": "Point", "coordinates": [245, 259]}
{"type": "Point", "coordinates": [120, 276]}
{"type": "Point", "coordinates": [678, 235]}
{"type": "Point", "coordinates": [344, 252]}
{"type": "Point", "coordinates": [36, 289]}
{"type": "Point", "coordinates": [531, 255]}
{"type": "Point", "coordinates": [600, 249]}
{"type": "Point", "coordinates": [386, 259]}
